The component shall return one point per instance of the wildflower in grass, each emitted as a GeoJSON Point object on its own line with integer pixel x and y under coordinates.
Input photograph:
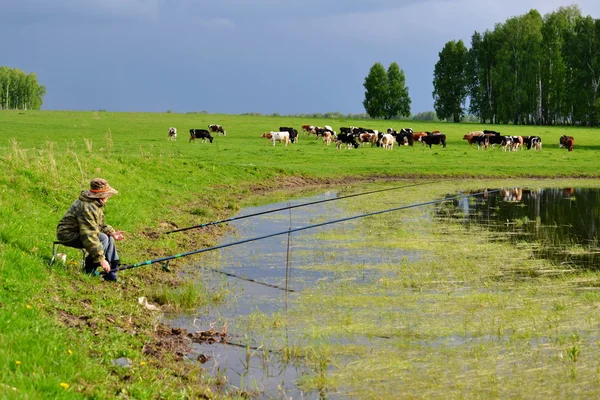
{"type": "Point", "coordinates": [18, 362]}
{"type": "Point", "coordinates": [142, 362]}
{"type": "Point", "coordinates": [28, 306]}
{"type": "Point", "coordinates": [69, 351]}
{"type": "Point", "coordinates": [64, 385]}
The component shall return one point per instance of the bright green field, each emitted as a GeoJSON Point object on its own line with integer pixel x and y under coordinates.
{"type": "Point", "coordinates": [57, 326]}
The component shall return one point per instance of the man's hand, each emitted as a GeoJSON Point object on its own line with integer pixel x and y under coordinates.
{"type": "Point", "coordinates": [105, 265]}
{"type": "Point", "coordinates": [118, 235]}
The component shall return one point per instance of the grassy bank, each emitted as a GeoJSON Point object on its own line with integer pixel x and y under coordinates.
{"type": "Point", "coordinates": [60, 331]}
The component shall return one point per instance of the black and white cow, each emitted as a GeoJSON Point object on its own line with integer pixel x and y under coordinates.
{"type": "Point", "coordinates": [438, 138]}
{"type": "Point", "coordinates": [217, 128]}
{"type": "Point", "coordinates": [347, 138]}
{"type": "Point", "coordinates": [172, 134]}
{"type": "Point", "coordinates": [533, 142]}
{"type": "Point", "coordinates": [200, 134]}
{"type": "Point", "coordinates": [293, 133]}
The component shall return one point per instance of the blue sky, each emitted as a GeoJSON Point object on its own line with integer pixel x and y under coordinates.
{"type": "Point", "coordinates": [236, 56]}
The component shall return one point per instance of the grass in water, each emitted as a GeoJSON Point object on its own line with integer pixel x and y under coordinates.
{"type": "Point", "coordinates": [469, 318]}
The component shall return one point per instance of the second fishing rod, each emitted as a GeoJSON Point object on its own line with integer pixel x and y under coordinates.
{"type": "Point", "coordinates": [296, 206]}
{"type": "Point", "coordinates": [286, 232]}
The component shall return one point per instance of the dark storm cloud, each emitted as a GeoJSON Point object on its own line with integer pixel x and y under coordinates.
{"type": "Point", "coordinates": [237, 56]}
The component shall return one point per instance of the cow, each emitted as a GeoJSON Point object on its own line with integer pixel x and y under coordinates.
{"type": "Point", "coordinates": [438, 138]}
{"type": "Point", "coordinates": [482, 141]}
{"type": "Point", "coordinates": [387, 141]}
{"type": "Point", "coordinates": [200, 134]}
{"type": "Point", "coordinates": [507, 143]}
{"type": "Point", "coordinates": [534, 142]}
{"type": "Point", "coordinates": [471, 137]}
{"type": "Point", "coordinates": [293, 133]}
{"type": "Point", "coordinates": [486, 131]}
{"type": "Point", "coordinates": [327, 138]}
{"type": "Point", "coordinates": [367, 138]}
{"type": "Point", "coordinates": [217, 128]}
{"type": "Point", "coordinates": [494, 139]}
{"type": "Point", "coordinates": [517, 143]}
{"type": "Point", "coordinates": [307, 128]}
{"type": "Point", "coordinates": [172, 134]}
{"type": "Point", "coordinates": [346, 138]}
{"type": "Point", "coordinates": [319, 132]}
{"type": "Point", "coordinates": [283, 137]}
{"type": "Point", "coordinates": [417, 136]}
{"type": "Point", "coordinates": [567, 142]}
{"type": "Point", "coordinates": [404, 137]}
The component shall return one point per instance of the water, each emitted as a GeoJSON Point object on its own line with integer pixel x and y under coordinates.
{"type": "Point", "coordinates": [267, 261]}
{"type": "Point", "coordinates": [561, 224]}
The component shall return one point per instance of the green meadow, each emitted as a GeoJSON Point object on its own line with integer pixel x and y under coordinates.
{"type": "Point", "coordinates": [60, 330]}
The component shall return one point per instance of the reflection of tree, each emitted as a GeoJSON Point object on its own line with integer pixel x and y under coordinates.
{"type": "Point", "coordinates": [561, 218]}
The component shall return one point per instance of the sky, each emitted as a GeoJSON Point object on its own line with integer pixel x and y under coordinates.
{"type": "Point", "coordinates": [238, 56]}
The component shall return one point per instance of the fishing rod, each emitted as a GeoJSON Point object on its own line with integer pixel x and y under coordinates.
{"type": "Point", "coordinates": [294, 206]}
{"type": "Point", "coordinates": [336, 221]}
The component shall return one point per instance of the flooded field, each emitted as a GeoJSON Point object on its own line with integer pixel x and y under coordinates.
{"type": "Point", "coordinates": [424, 302]}
{"type": "Point", "coordinates": [263, 277]}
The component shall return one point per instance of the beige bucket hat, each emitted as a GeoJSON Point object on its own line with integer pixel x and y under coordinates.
{"type": "Point", "coordinates": [99, 189]}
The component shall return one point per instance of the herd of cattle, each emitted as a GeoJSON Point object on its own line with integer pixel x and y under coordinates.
{"type": "Point", "coordinates": [354, 137]}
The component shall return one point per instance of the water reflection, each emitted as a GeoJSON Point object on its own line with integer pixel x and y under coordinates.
{"type": "Point", "coordinates": [268, 261]}
{"type": "Point", "coordinates": [563, 221]}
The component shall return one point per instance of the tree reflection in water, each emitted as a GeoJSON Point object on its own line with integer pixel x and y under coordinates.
{"type": "Point", "coordinates": [564, 222]}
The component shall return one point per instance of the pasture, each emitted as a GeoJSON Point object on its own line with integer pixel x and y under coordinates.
{"type": "Point", "coordinates": [59, 327]}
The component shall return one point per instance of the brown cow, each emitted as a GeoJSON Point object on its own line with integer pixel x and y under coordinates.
{"type": "Point", "coordinates": [367, 138]}
{"type": "Point", "coordinates": [567, 142]}
{"type": "Point", "coordinates": [307, 128]}
{"type": "Point", "coordinates": [418, 135]}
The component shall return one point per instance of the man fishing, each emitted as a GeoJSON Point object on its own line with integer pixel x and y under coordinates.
{"type": "Point", "coordinates": [83, 227]}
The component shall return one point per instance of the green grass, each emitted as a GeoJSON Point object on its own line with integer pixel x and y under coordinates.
{"type": "Point", "coordinates": [46, 158]}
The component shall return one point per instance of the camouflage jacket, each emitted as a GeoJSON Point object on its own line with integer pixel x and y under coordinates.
{"type": "Point", "coordinates": [84, 220]}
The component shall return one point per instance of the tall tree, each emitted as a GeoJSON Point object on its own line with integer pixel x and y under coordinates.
{"type": "Point", "coordinates": [398, 101]}
{"type": "Point", "coordinates": [517, 71]}
{"type": "Point", "coordinates": [558, 27]}
{"type": "Point", "coordinates": [450, 82]}
{"type": "Point", "coordinates": [473, 70]}
{"type": "Point", "coordinates": [585, 63]}
{"type": "Point", "coordinates": [376, 91]}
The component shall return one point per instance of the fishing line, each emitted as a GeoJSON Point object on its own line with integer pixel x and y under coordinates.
{"type": "Point", "coordinates": [336, 221]}
{"type": "Point", "coordinates": [294, 206]}
{"type": "Point", "coordinates": [249, 279]}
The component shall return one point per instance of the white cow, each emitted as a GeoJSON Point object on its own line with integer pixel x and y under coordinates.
{"type": "Point", "coordinates": [387, 141]}
{"type": "Point", "coordinates": [283, 137]}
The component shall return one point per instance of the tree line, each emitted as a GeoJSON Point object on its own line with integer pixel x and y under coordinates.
{"type": "Point", "coordinates": [528, 70]}
{"type": "Point", "coordinates": [20, 91]}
